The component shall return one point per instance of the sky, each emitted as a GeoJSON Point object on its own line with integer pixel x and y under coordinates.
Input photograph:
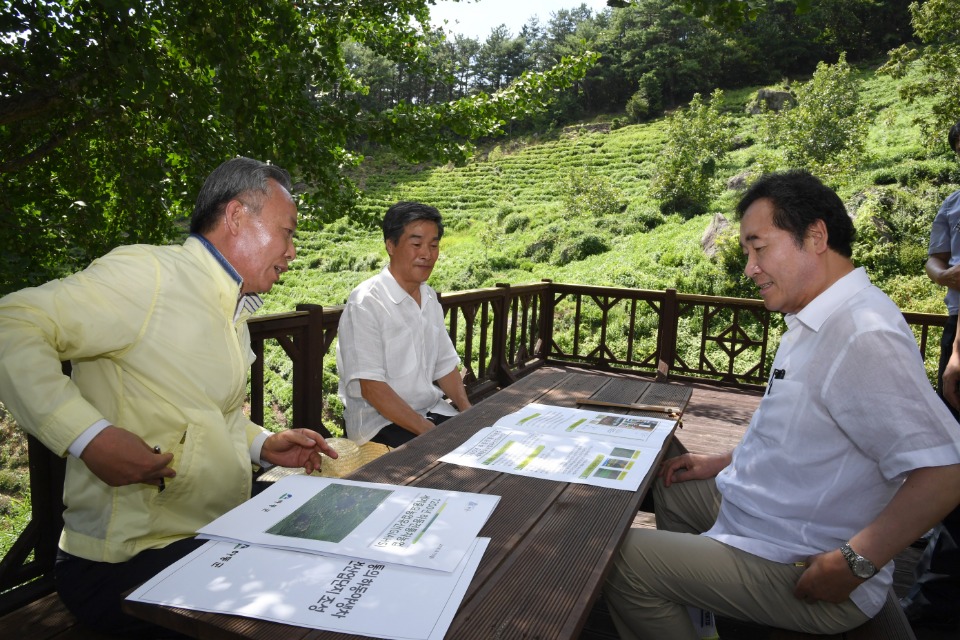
{"type": "Point", "coordinates": [476, 18]}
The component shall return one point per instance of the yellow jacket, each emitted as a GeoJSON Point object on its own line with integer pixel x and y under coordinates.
{"type": "Point", "coordinates": [155, 350]}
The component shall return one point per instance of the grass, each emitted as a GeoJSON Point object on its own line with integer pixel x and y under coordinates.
{"type": "Point", "coordinates": [14, 482]}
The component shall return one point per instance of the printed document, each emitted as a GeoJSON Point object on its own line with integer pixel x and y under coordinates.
{"type": "Point", "coordinates": [317, 591]}
{"type": "Point", "coordinates": [407, 525]}
{"type": "Point", "coordinates": [568, 445]}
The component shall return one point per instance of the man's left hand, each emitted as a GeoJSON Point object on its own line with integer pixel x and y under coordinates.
{"type": "Point", "coordinates": [828, 578]}
{"type": "Point", "coordinates": [296, 448]}
{"type": "Point", "coordinates": [951, 380]}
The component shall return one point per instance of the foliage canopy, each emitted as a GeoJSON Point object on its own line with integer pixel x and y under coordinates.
{"type": "Point", "coordinates": [112, 113]}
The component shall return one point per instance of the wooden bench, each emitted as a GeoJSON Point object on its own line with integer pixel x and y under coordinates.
{"type": "Point", "coordinates": [46, 619]}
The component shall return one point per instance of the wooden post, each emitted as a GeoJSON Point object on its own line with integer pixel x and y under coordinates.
{"type": "Point", "coordinates": [667, 334]}
{"type": "Point", "coordinates": [499, 365]}
{"type": "Point", "coordinates": [308, 373]}
{"type": "Point", "coordinates": [546, 321]}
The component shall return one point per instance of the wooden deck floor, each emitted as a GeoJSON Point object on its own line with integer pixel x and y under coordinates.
{"type": "Point", "coordinates": [714, 421]}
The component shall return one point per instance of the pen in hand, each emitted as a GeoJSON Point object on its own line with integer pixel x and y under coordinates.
{"type": "Point", "coordinates": [163, 485]}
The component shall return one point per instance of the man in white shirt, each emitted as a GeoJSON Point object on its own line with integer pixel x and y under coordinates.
{"type": "Point", "coordinates": [849, 458]}
{"type": "Point", "coordinates": [394, 357]}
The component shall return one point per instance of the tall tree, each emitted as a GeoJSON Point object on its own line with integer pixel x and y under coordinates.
{"type": "Point", "coordinates": [112, 112]}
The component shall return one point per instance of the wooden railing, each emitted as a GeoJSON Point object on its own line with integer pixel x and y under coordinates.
{"type": "Point", "coordinates": [501, 333]}
{"type": "Point", "coordinates": [504, 332]}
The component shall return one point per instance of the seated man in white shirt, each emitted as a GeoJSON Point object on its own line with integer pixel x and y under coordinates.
{"type": "Point", "coordinates": [849, 458]}
{"type": "Point", "coordinates": [394, 357]}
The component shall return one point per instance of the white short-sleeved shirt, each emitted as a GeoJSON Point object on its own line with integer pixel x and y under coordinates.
{"type": "Point", "coordinates": [385, 335]}
{"type": "Point", "coordinates": [945, 238]}
{"type": "Point", "coordinates": [848, 413]}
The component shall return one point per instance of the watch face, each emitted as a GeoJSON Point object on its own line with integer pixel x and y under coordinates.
{"type": "Point", "coordinates": [860, 566]}
{"type": "Point", "coordinates": [863, 568]}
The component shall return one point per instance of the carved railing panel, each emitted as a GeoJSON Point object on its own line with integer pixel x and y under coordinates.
{"type": "Point", "coordinates": [606, 328]}
{"type": "Point", "coordinates": [725, 340]}
{"type": "Point", "coordinates": [470, 324]}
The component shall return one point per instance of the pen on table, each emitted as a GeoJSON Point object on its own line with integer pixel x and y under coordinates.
{"type": "Point", "coordinates": [163, 485]}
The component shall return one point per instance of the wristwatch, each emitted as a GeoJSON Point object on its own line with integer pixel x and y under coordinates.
{"type": "Point", "coordinates": [860, 566]}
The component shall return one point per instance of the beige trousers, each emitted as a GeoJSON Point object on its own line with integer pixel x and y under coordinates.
{"type": "Point", "coordinates": [658, 573]}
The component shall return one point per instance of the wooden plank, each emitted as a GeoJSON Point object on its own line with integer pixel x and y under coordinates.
{"type": "Point", "coordinates": [46, 619]}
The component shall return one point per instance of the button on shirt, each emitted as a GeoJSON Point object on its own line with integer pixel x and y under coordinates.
{"type": "Point", "coordinates": [838, 431]}
{"type": "Point", "coordinates": [384, 335]}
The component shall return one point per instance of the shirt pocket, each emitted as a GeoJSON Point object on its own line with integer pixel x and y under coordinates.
{"type": "Point", "coordinates": [182, 463]}
{"type": "Point", "coordinates": [778, 411]}
{"type": "Point", "coordinates": [400, 351]}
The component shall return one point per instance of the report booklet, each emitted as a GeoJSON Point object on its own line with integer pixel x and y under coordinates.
{"type": "Point", "coordinates": [333, 593]}
{"type": "Point", "coordinates": [406, 525]}
{"type": "Point", "coordinates": [568, 445]}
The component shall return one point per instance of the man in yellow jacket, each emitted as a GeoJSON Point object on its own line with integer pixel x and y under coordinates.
{"type": "Point", "coordinates": [152, 421]}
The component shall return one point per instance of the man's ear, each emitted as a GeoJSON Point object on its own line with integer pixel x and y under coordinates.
{"type": "Point", "coordinates": [233, 215]}
{"type": "Point", "coordinates": [390, 246]}
{"type": "Point", "coordinates": [817, 233]}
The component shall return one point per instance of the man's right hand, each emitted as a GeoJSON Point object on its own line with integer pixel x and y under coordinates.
{"type": "Point", "coordinates": [950, 277]}
{"type": "Point", "coordinates": [119, 457]}
{"type": "Point", "coordinates": [951, 380]}
{"type": "Point", "coordinates": [692, 466]}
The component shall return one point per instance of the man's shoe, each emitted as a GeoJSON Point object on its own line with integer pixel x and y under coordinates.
{"type": "Point", "coordinates": [927, 616]}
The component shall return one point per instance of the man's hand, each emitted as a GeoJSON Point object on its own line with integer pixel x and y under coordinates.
{"type": "Point", "coordinates": [692, 466]}
{"type": "Point", "coordinates": [950, 277]}
{"type": "Point", "coordinates": [828, 578]}
{"type": "Point", "coordinates": [120, 457]}
{"type": "Point", "coordinates": [296, 448]}
{"type": "Point", "coordinates": [951, 380]}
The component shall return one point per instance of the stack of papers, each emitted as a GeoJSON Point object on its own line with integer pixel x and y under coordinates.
{"type": "Point", "coordinates": [568, 445]}
{"type": "Point", "coordinates": [371, 559]}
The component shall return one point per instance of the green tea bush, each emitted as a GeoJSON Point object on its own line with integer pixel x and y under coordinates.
{"type": "Point", "coordinates": [541, 249]}
{"type": "Point", "coordinates": [697, 138]}
{"type": "Point", "coordinates": [893, 228]}
{"type": "Point", "coordinates": [913, 173]}
{"type": "Point", "coordinates": [644, 214]}
{"type": "Point", "coordinates": [586, 193]}
{"type": "Point", "coordinates": [826, 131]}
{"type": "Point", "coordinates": [580, 248]}
{"type": "Point", "coordinates": [515, 222]}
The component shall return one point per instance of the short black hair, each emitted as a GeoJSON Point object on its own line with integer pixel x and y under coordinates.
{"type": "Point", "coordinates": [954, 136]}
{"type": "Point", "coordinates": [799, 199]}
{"type": "Point", "coordinates": [403, 213]}
{"type": "Point", "coordinates": [228, 181]}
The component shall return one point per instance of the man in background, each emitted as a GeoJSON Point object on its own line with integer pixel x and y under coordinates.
{"type": "Point", "coordinates": [934, 599]}
{"type": "Point", "coordinates": [151, 421]}
{"type": "Point", "coordinates": [394, 357]}
{"type": "Point", "coordinates": [849, 458]}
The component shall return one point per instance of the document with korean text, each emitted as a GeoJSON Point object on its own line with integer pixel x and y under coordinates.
{"type": "Point", "coordinates": [568, 445]}
{"type": "Point", "coordinates": [317, 591]}
{"type": "Point", "coordinates": [407, 525]}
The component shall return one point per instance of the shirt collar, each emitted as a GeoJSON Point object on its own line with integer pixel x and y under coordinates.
{"type": "Point", "coordinates": [822, 307]}
{"type": "Point", "coordinates": [397, 293]}
{"type": "Point", "coordinates": [250, 302]}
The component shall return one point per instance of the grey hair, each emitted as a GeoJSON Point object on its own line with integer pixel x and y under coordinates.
{"type": "Point", "coordinates": [230, 180]}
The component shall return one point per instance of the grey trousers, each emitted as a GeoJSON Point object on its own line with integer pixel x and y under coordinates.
{"type": "Point", "coordinates": [658, 573]}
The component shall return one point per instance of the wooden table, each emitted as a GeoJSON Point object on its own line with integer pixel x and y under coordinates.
{"type": "Point", "coordinates": [551, 543]}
